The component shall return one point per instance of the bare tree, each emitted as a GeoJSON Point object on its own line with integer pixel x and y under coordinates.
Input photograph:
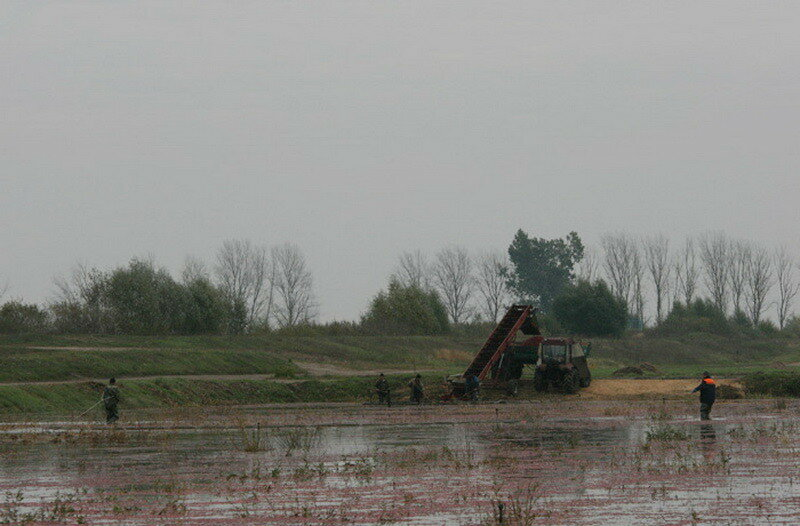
{"type": "Point", "coordinates": [714, 254]}
{"type": "Point", "coordinates": [656, 253]}
{"type": "Point", "coordinates": [194, 269]}
{"type": "Point", "coordinates": [588, 268]}
{"type": "Point", "coordinates": [638, 293]}
{"type": "Point", "coordinates": [787, 286]}
{"type": "Point", "coordinates": [758, 281]}
{"type": "Point", "coordinates": [618, 255]}
{"type": "Point", "coordinates": [413, 269]}
{"type": "Point", "coordinates": [490, 278]}
{"type": "Point", "coordinates": [245, 274]}
{"type": "Point", "coordinates": [739, 255]}
{"type": "Point", "coordinates": [452, 277]}
{"type": "Point", "coordinates": [84, 292]}
{"type": "Point", "coordinates": [294, 286]}
{"type": "Point", "coordinates": [687, 272]}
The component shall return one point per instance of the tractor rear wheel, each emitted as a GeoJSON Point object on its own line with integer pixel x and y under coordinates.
{"type": "Point", "coordinates": [586, 382]}
{"type": "Point", "coordinates": [570, 382]}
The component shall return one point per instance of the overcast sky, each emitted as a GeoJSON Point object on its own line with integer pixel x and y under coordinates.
{"type": "Point", "coordinates": [362, 129]}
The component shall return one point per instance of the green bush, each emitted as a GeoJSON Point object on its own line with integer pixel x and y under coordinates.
{"type": "Point", "coordinates": [21, 318]}
{"type": "Point", "coordinates": [767, 328]}
{"type": "Point", "coordinates": [548, 324]}
{"type": "Point", "coordinates": [701, 316]}
{"type": "Point", "coordinates": [773, 384]}
{"type": "Point", "coordinates": [141, 299]}
{"type": "Point", "coordinates": [590, 309]}
{"type": "Point", "coordinates": [792, 327]}
{"type": "Point", "coordinates": [406, 310]}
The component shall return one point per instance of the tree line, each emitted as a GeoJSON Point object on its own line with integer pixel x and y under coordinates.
{"type": "Point", "coordinates": [741, 278]}
{"type": "Point", "coordinates": [625, 282]}
{"type": "Point", "coordinates": [246, 288]}
{"type": "Point", "coordinates": [646, 276]}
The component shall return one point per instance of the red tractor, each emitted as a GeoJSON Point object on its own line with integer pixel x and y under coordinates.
{"type": "Point", "coordinates": [560, 363]}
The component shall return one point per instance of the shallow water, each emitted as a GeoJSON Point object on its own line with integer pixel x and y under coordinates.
{"type": "Point", "coordinates": [548, 463]}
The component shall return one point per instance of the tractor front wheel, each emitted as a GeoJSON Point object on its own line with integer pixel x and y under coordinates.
{"type": "Point", "coordinates": [539, 381]}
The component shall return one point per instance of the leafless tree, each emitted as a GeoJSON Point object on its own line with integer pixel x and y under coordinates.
{"type": "Point", "coordinates": [687, 273]}
{"type": "Point", "coordinates": [413, 269]}
{"type": "Point", "coordinates": [452, 277]}
{"type": "Point", "coordinates": [618, 256]}
{"type": "Point", "coordinates": [84, 292]}
{"type": "Point", "coordinates": [656, 253]}
{"type": "Point", "coordinates": [638, 292]}
{"type": "Point", "coordinates": [293, 287]}
{"type": "Point", "coordinates": [787, 286]}
{"type": "Point", "coordinates": [714, 254]}
{"type": "Point", "coordinates": [589, 267]}
{"type": "Point", "coordinates": [758, 282]}
{"type": "Point", "coordinates": [739, 255]}
{"type": "Point", "coordinates": [194, 269]}
{"type": "Point", "coordinates": [490, 278]}
{"type": "Point", "coordinates": [245, 274]}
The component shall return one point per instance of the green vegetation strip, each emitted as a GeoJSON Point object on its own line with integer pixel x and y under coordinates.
{"type": "Point", "coordinates": [43, 365]}
{"type": "Point", "coordinates": [178, 392]}
{"type": "Point", "coordinates": [782, 383]}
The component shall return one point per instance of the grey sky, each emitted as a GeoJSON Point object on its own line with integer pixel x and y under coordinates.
{"type": "Point", "coordinates": [361, 129]}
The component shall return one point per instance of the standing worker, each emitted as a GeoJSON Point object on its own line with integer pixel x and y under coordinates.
{"type": "Point", "coordinates": [417, 390]}
{"type": "Point", "coordinates": [110, 401]}
{"type": "Point", "coordinates": [708, 394]}
{"type": "Point", "coordinates": [382, 387]}
{"type": "Point", "coordinates": [473, 388]}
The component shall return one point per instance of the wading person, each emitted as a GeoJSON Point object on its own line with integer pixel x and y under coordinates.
{"type": "Point", "coordinates": [417, 390]}
{"type": "Point", "coordinates": [708, 394]}
{"type": "Point", "coordinates": [473, 387]}
{"type": "Point", "coordinates": [382, 387]}
{"type": "Point", "coordinates": [110, 401]}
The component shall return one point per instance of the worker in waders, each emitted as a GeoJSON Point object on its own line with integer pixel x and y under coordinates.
{"type": "Point", "coordinates": [110, 401]}
{"type": "Point", "coordinates": [382, 387]}
{"type": "Point", "coordinates": [473, 387]}
{"type": "Point", "coordinates": [708, 394]}
{"type": "Point", "coordinates": [417, 390]}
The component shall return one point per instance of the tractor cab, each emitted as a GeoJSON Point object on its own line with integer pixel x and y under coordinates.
{"type": "Point", "coordinates": [553, 352]}
{"type": "Point", "coordinates": [562, 365]}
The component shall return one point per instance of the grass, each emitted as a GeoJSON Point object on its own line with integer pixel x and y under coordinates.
{"type": "Point", "coordinates": [103, 356]}
{"type": "Point", "coordinates": [180, 392]}
{"type": "Point", "coordinates": [31, 365]}
{"type": "Point", "coordinates": [69, 357]}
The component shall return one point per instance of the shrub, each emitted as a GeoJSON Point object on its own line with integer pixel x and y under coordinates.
{"type": "Point", "coordinates": [406, 310]}
{"type": "Point", "coordinates": [590, 309]}
{"type": "Point", "coordinates": [792, 327]}
{"type": "Point", "coordinates": [19, 318]}
{"type": "Point", "coordinates": [773, 384]}
{"type": "Point", "coordinates": [701, 316]}
{"type": "Point", "coordinates": [549, 325]}
{"type": "Point", "coordinates": [767, 328]}
{"type": "Point", "coordinates": [141, 299]}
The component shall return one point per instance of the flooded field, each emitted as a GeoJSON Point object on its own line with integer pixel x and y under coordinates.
{"type": "Point", "coordinates": [553, 462]}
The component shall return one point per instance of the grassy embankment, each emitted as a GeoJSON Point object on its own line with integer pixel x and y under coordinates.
{"type": "Point", "coordinates": [65, 358]}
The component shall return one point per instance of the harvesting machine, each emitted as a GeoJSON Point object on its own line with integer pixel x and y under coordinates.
{"type": "Point", "coordinates": [560, 363]}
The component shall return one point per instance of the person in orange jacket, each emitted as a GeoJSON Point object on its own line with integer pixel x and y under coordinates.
{"type": "Point", "coordinates": [708, 394]}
